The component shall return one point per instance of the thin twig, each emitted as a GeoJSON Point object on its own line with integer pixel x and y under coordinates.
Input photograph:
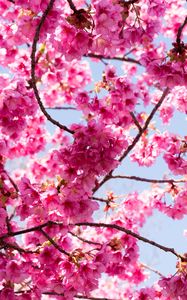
{"type": "Point", "coordinates": [137, 178]}
{"type": "Point", "coordinates": [12, 181]}
{"type": "Point", "coordinates": [62, 107]}
{"type": "Point", "coordinates": [23, 231]}
{"type": "Point", "coordinates": [92, 298]}
{"type": "Point", "coordinates": [84, 240]}
{"type": "Point", "coordinates": [129, 52]}
{"type": "Point", "coordinates": [130, 2]}
{"type": "Point", "coordinates": [8, 224]}
{"type": "Point", "coordinates": [33, 66]}
{"type": "Point", "coordinates": [138, 136]}
{"type": "Point", "coordinates": [72, 6]}
{"type": "Point", "coordinates": [54, 243]}
{"type": "Point", "coordinates": [105, 179]}
{"type": "Point", "coordinates": [135, 235]}
{"type": "Point", "coordinates": [100, 199]}
{"type": "Point", "coordinates": [179, 33]}
{"type": "Point", "coordinates": [136, 121]}
{"type": "Point", "coordinates": [119, 58]}
{"type": "Point", "coordinates": [76, 296]}
{"type": "Point", "coordinates": [136, 139]}
{"type": "Point", "coordinates": [151, 269]}
{"type": "Point", "coordinates": [4, 245]}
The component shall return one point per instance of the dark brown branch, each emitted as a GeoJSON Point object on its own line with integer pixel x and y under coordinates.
{"type": "Point", "coordinates": [5, 245]}
{"type": "Point", "coordinates": [12, 215]}
{"type": "Point", "coordinates": [119, 58]}
{"type": "Point", "coordinates": [136, 121]}
{"type": "Point", "coordinates": [72, 6]}
{"type": "Point", "coordinates": [129, 52]}
{"type": "Point", "coordinates": [23, 231]}
{"type": "Point", "coordinates": [156, 107]}
{"type": "Point", "coordinates": [92, 298]}
{"type": "Point", "coordinates": [62, 107]}
{"type": "Point", "coordinates": [113, 226]}
{"type": "Point", "coordinates": [12, 181]}
{"type": "Point", "coordinates": [130, 2]}
{"type": "Point", "coordinates": [51, 293]}
{"type": "Point", "coordinates": [179, 33]}
{"type": "Point", "coordinates": [100, 199]}
{"type": "Point", "coordinates": [84, 240]}
{"type": "Point", "coordinates": [136, 139]}
{"type": "Point", "coordinates": [105, 179]}
{"type": "Point", "coordinates": [135, 235]}
{"type": "Point", "coordinates": [137, 178]}
{"type": "Point", "coordinates": [35, 228]}
{"type": "Point", "coordinates": [8, 224]}
{"type": "Point", "coordinates": [76, 296]}
{"type": "Point", "coordinates": [54, 243]}
{"type": "Point", "coordinates": [33, 66]}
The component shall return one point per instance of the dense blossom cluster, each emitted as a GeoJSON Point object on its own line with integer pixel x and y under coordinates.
{"type": "Point", "coordinates": [61, 235]}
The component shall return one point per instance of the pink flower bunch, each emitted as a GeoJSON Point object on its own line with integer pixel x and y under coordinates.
{"type": "Point", "coordinates": [72, 43]}
{"type": "Point", "coordinates": [179, 208]}
{"type": "Point", "coordinates": [91, 138]}
{"type": "Point", "coordinates": [34, 6]}
{"type": "Point", "coordinates": [108, 25]}
{"type": "Point", "coordinates": [174, 155]}
{"type": "Point", "coordinates": [17, 104]}
{"type": "Point", "coordinates": [149, 148]}
{"type": "Point", "coordinates": [168, 74]}
{"type": "Point", "coordinates": [114, 108]}
{"type": "Point", "coordinates": [157, 7]}
{"type": "Point", "coordinates": [174, 287]}
{"type": "Point", "coordinates": [135, 218]}
{"type": "Point", "coordinates": [82, 170]}
{"type": "Point", "coordinates": [178, 97]}
{"type": "Point", "coordinates": [66, 79]}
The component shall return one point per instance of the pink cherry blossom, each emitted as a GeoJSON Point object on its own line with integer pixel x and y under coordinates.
{"type": "Point", "coordinates": [91, 93]}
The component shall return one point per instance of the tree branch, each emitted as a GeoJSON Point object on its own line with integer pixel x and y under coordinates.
{"type": "Point", "coordinates": [135, 235]}
{"type": "Point", "coordinates": [36, 228]}
{"type": "Point", "coordinates": [151, 269]}
{"type": "Point", "coordinates": [76, 296]}
{"type": "Point", "coordinates": [179, 33]}
{"type": "Point", "coordinates": [100, 199]}
{"type": "Point", "coordinates": [91, 298]}
{"type": "Point", "coordinates": [112, 226]}
{"type": "Point", "coordinates": [54, 243]}
{"type": "Point", "coordinates": [72, 6]}
{"type": "Point", "coordinates": [130, 2]}
{"type": "Point", "coordinates": [136, 139]}
{"type": "Point", "coordinates": [33, 66]}
{"type": "Point", "coordinates": [84, 240]}
{"type": "Point", "coordinates": [156, 107]}
{"type": "Point", "coordinates": [136, 121]}
{"type": "Point", "coordinates": [61, 107]}
{"type": "Point", "coordinates": [137, 178]}
{"type": "Point", "coordinates": [12, 181]}
{"type": "Point", "coordinates": [119, 58]}
{"type": "Point", "coordinates": [5, 245]}
{"type": "Point", "coordinates": [23, 231]}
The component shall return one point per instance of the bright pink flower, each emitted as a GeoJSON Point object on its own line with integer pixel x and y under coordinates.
{"type": "Point", "coordinates": [174, 287]}
{"type": "Point", "coordinates": [28, 193]}
{"type": "Point", "coordinates": [17, 272]}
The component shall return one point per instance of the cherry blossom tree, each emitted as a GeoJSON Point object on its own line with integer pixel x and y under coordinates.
{"type": "Point", "coordinates": [63, 233]}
